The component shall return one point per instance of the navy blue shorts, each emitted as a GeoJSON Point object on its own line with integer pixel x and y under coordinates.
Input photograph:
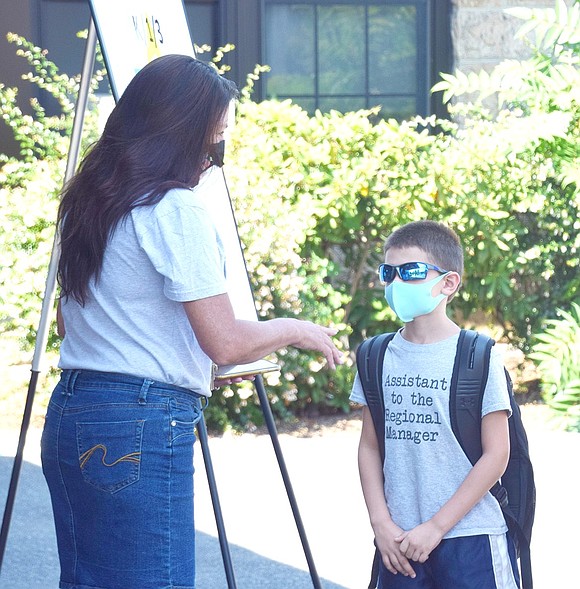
{"type": "Point", "coordinates": [470, 562]}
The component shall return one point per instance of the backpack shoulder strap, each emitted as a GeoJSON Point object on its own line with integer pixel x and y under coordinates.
{"type": "Point", "coordinates": [470, 373]}
{"type": "Point", "coordinates": [369, 361]}
{"type": "Point", "coordinates": [468, 382]}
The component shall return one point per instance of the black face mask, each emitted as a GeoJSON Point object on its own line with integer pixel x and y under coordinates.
{"type": "Point", "coordinates": [216, 153]}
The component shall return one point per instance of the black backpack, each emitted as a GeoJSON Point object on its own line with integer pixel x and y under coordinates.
{"type": "Point", "coordinates": [516, 492]}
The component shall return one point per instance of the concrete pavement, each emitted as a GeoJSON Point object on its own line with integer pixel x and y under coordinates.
{"type": "Point", "coordinates": [263, 539]}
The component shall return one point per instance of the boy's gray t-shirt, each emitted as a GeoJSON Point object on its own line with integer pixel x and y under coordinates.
{"type": "Point", "coordinates": [424, 463]}
{"type": "Point", "coordinates": [134, 321]}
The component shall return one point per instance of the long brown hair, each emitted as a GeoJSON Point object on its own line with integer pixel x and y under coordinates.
{"type": "Point", "coordinates": [156, 138]}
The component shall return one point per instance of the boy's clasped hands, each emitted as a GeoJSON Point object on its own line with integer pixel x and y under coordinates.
{"type": "Point", "coordinates": [399, 547]}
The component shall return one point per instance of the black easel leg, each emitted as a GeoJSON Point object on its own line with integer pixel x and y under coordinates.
{"type": "Point", "coordinates": [224, 546]}
{"type": "Point", "coordinates": [48, 300]}
{"type": "Point", "coordinates": [17, 465]}
{"type": "Point", "coordinates": [267, 411]}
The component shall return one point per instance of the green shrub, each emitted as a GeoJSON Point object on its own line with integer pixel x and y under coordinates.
{"type": "Point", "coordinates": [529, 262]}
{"type": "Point", "coordinates": [29, 188]}
{"type": "Point", "coordinates": [316, 196]}
{"type": "Point", "coordinates": [557, 353]}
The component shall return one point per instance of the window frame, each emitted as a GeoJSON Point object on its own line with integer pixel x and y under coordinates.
{"type": "Point", "coordinates": [433, 25]}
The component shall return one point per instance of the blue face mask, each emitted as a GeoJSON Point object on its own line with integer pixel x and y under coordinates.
{"type": "Point", "coordinates": [411, 299]}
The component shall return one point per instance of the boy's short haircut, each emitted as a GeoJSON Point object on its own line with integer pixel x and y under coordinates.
{"type": "Point", "coordinates": [438, 241]}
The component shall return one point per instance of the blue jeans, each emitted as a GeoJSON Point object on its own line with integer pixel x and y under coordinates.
{"type": "Point", "coordinates": [117, 454]}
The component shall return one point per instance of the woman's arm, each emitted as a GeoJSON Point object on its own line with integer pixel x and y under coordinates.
{"type": "Point", "coordinates": [418, 543]}
{"type": "Point", "coordinates": [371, 476]}
{"type": "Point", "coordinates": [227, 340]}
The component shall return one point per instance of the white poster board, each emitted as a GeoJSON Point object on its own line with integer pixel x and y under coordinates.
{"type": "Point", "coordinates": [134, 32]}
{"type": "Point", "coordinates": [131, 34]}
{"type": "Point", "coordinates": [218, 203]}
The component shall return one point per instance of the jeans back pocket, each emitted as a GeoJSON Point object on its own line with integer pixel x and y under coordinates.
{"type": "Point", "coordinates": [110, 453]}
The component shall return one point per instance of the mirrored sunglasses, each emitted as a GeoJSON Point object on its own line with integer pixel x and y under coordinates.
{"type": "Point", "coordinates": [408, 271]}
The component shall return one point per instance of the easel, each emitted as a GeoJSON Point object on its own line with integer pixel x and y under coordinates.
{"type": "Point", "coordinates": [42, 339]}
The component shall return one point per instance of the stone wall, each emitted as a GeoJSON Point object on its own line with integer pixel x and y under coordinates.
{"type": "Point", "coordinates": [484, 35]}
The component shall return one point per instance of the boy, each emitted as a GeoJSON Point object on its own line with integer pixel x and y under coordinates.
{"type": "Point", "coordinates": [436, 526]}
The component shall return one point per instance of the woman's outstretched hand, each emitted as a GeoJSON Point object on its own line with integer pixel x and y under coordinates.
{"type": "Point", "coordinates": [312, 336]}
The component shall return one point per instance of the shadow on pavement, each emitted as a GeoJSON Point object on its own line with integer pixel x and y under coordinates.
{"type": "Point", "coordinates": [31, 559]}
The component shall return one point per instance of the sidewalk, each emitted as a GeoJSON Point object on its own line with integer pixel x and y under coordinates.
{"type": "Point", "coordinates": [264, 542]}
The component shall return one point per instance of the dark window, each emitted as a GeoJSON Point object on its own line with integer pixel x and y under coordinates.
{"type": "Point", "coordinates": [202, 18]}
{"type": "Point", "coordinates": [333, 54]}
{"type": "Point", "coordinates": [61, 20]}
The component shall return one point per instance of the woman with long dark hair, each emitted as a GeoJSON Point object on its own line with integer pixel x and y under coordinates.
{"type": "Point", "coordinates": [144, 312]}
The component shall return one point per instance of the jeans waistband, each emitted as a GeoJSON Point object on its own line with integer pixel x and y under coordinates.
{"type": "Point", "coordinates": [70, 377]}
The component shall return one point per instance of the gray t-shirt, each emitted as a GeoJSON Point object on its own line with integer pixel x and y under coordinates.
{"type": "Point", "coordinates": [424, 463]}
{"type": "Point", "coordinates": [134, 321]}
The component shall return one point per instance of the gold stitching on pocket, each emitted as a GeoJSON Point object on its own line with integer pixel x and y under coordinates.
{"type": "Point", "coordinates": [85, 456]}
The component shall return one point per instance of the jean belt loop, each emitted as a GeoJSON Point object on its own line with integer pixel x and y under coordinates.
{"type": "Point", "coordinates": [73, 379]}
{"type": "Point", "coordinates": [69, 378]}
{"type": "Point", "coordinates": [65, 378]}
{"type": "Point", "coordinates": [143, 392]}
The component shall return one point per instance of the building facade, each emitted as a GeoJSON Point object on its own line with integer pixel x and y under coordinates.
{"type": "Point", "coordinates": [324, 54]}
